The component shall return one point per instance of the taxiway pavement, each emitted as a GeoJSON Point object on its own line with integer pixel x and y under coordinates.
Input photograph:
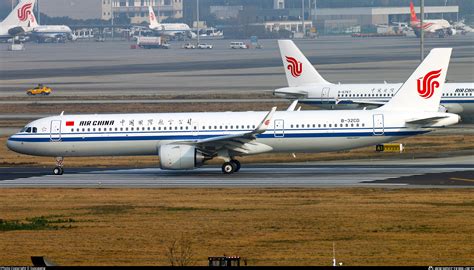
{"type": "Point", "coordinates": [437, 172]}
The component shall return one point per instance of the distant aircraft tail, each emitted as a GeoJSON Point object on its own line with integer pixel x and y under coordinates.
{"type": "Point", "coordinates": [33, 22]}
{"type": "Point", "coordinates": [20, 15]}
{"type": "Point", "coordinates": [298, 69]}
{"type": "Point", "coordinates": [153, 20]}
{"type": "Point", "coordinates": [422, 91]}
{"type": "Point", "coordinates": [413, 17]}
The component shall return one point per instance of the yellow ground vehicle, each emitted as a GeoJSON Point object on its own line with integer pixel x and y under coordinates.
{"type": "Point", "coordinates": [39, 90]}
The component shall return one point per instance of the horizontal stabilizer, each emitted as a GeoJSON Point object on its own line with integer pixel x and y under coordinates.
{"type": "Point", "coordinates": [425, 121]}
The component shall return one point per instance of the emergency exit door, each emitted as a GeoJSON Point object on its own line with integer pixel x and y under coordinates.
{"type": "Point", "coordinates": [378, 124]}
{"type": "Point", "coordinates": [279, 128]}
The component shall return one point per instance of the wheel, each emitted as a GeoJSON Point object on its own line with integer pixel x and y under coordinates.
{"type": "Point", "coordinates": [58, 171]}
{"type": "Point", "coordinates": [228, 167]}
{"type": "Point", "coordinates": [237, 164]}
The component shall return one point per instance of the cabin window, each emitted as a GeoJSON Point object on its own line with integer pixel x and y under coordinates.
{"type": "Point", "coordinates": [347, 125]}
{"type": "Point", "coordinates": [225, 127]}
{"type": "Point", "coordinates": [314, 125]}
{"type": "Point", "coordinates": [324, 125]}
{"type": "Point", "coordinates": [253, 126]}
{"type": "Point", "coordinates": [187, 127]}
{"type": "Point", "coordinates": [363, 124]}
{"type": "Point", "coordinates": [181, 128]}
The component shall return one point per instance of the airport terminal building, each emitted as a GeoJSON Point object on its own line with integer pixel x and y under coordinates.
{"type": "Point", "coordinates": [137, 10]}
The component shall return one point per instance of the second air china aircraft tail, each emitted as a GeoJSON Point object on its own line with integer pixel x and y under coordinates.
{"type": "Point", "coordinates": [308, 86]}
{"type": "Point", "coordinates": [187, 140]}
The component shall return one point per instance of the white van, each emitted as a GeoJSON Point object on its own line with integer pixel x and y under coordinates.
{"type": "Point", "coordinates": [238, 45]}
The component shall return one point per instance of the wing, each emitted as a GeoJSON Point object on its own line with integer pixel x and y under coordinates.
{"type": "Point", "coordinates": [243, 143]}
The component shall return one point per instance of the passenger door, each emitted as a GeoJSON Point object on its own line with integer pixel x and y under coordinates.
{"type": "Point", "coordinates": [55, 131]}
{"type": "Point", "coordinates": [325, 95]}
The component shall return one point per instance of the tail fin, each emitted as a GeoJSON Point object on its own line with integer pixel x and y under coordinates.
{"type": "Point", "coordinates": [20, 14]}
{"type": "Point", "coordinates": [423, 90]}
{"type": "Point", "coordinates": [298, 69]}
{"type": "Point", "coordinates": [413, 17]}
{"type": "Point", "coordinates": [153, 20]}
{"type": "Point", "coordinates": [33, 22]}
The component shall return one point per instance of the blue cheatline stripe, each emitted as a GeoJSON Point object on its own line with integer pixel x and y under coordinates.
{"type": "Point", "coordinates": [345, 102]}
{"type": "Point", "coordinates": [190, 137]}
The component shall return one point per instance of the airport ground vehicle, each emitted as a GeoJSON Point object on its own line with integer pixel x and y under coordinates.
{"type": "Point", "coordinates": [204, 46]}
{"type": "Point", "coordinates": [238, 45]}
{"type": "Point", "coordinates": [152, 43]}
{"type": "Point", "coordinates": [189, 46]}
{"type": "Point", "coordinates": [39, 90]}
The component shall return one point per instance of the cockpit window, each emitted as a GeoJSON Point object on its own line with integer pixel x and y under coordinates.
{"type": "Point", "coordinates": [28, 130]}
{"type": "Point", "coordinates": [35, 130]}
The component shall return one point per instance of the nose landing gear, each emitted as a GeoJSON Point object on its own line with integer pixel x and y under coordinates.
{"type": "Point", "coordinates": [58, 170]}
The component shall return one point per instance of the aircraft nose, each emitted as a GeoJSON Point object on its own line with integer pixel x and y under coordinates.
{"type": "Point", "coordinates": [13, 145]}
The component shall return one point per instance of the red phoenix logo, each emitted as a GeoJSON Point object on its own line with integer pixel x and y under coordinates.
{"type": "Point", "coordinates": [24, 12]}
{"type": "Point", "coordinates": [295, 67]}
{"type": "Point", "coordinates": [429, 84]}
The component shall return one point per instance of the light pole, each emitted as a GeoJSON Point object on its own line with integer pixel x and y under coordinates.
{"type": "Point", "coordinates": [302, 16]}
{"type": "Point", "coordinates": [112, 16]}
{"type": "Point", "coordinates": [197, 15]}
{"type": "Point", "coordinates": [422, 34]}
{"type": "Point", "coordinates": [39, 12]}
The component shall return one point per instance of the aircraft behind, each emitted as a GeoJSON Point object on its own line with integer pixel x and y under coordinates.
{"type": "Point", "coordinates": [43, 33]}
{"type": "Point", "coordinates": [168, 29]}
{"type": "Point", "coordinates": [309, 87]}
{"type": "Point", "coordinates": [17, 22]}
{"type": "Point", "coordinates": [439, 27]}
{"type": "Point", "coordinates": [185, 141]}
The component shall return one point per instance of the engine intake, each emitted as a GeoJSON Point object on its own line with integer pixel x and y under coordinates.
{"type": "Point", "coordinates": [180, 157]}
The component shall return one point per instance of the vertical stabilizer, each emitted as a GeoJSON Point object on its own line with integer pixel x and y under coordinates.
{"type": "Point", "coordinates": [33, 21]}
{"type": "Point", "coordinates": [153, 20]}
{"type": "Point", "coordinates": [298, 69]}
{"type": "Point", "coordinates": [20, 15]}
{"type": "Point", "coordinates": [413, 17]}
{"type": "Point", "coordinates": [423, 90]}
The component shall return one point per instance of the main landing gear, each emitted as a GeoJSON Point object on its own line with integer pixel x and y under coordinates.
{"type": "Point", "coordinates": [231, 167]}
{"type": "Point", "coordinates": [58, 170]}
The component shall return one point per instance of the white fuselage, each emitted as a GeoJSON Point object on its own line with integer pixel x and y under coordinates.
{"type": "Point", "coordinates": [457, 97]}
{"type": "Point", "coordinates": [142, 134]}
{"type": "Point", "coordinates": [50, 31]}
{"type": "Point", "coordinates": [431, 25]}
{"type": "Point", "coordinates": [172, 29]}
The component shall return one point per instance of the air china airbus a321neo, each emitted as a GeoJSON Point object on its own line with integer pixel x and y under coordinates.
{"type": "Point", "coordinates": [187, 140]}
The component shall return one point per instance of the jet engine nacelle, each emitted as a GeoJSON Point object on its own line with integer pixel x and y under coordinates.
{"type": "Point", "coordinates": [180, 157]}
